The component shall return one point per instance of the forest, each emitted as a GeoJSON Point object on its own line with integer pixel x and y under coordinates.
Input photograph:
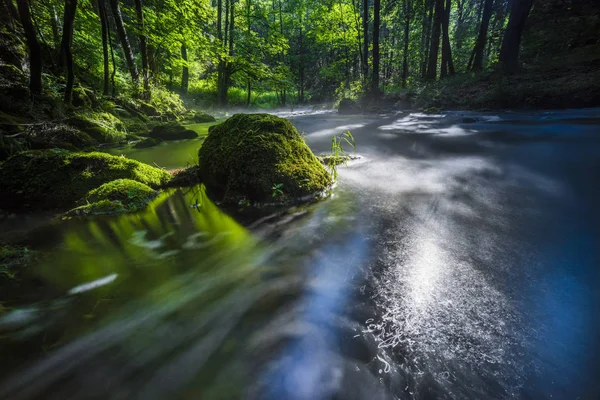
{"type": "Point", "coordinates": [275, 53]}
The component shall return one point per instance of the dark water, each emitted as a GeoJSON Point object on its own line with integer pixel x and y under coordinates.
{"type": "Point", "coordinates": [454, 260]}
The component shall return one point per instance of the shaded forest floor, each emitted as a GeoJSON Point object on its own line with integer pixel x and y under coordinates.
{"type": "Point", "coordinates": [566, 81]}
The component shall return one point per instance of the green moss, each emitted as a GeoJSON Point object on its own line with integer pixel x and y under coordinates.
{"type": "Point", "coordinates": [185, 177]}
{"type": "Point", "coordinates": [172, 131]}
{"type": "Point", "coordinates": [121, 195]}
{"type": "Point", "coordinates": [102, 126]}
{"type": "Point", "coordinates": [244, 157]}
{"type": "Point", "coordinates": [101, 207]}
{"type": "Point", "coordinates": [57, 178]}
{"type": "Point", "coordinates": [13, 257]}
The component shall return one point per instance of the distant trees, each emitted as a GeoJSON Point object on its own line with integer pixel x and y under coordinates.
{"type": "Point", "coordinates": [295, 49]}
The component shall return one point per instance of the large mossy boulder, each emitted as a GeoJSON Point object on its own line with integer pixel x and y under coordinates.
{"type": "Point", "coordinates": [172, 131]}
{"type": "Point", "coordinates": [57, 178]}
{"type": "Point", "coordinates": [118, 196]}
{"type": "Point", "coordinates": [259, 158]}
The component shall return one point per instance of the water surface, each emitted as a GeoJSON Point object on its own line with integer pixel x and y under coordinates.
{"type": "Point", "coordinates": [458, 258]}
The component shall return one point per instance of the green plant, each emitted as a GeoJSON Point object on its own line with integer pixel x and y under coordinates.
{"type": "Point", "coordinates": [338, 154]}
{"type": "Point", "coordinates": [277, 192]}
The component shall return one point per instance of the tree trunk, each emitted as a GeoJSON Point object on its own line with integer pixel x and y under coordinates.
{"type": "Point", "coordinates": [66, 45]}
{"type": "Point", "coordinates": [33, 47]}
{"type": "Point", "coordinates": [54, 26]}
{"type": "Point", "coordinates": [104, 26]}
{"type": "Point", "coordinates": [185, 73]}
{"type": "Point", "coordinates": [139, 10]}
{"type": "Point", "coordinates": [301, 99]}
{"type": "Point", "coordinates": [426, 35]}
{"type": "Point", "coordinates": [365, 24]}
{"type": "Point", "coordinates": [376, 22]}
{"type": "Point", "coordinates": [112, 56]}
{"type": "Point", "coordinates": [221, 65]}
{"type": "Point", "coordinates": [435, 41]}
{"type": "Point", "coordinates": [447, 63]}
{"type": "Point", "coordinates": [122, 33]}
{"type": "Point", "coordinates": [482, 37]}
{"type": "Point", "coordinates": [509, 53]}
{"type": "Point", "coordinates": [407, 16]}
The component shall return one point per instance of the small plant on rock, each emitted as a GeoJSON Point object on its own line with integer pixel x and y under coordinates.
{"type": "Point", "coordinates": [277, 191]}
{"type": "Point", "coordinates": [338, 154]}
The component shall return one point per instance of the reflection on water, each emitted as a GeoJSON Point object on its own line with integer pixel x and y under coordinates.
{"type": "Point", "coordinates": [454, 260]}
{"type": "Point", "coordinates": [171, 154]}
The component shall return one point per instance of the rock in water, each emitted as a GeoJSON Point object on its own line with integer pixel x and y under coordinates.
{"type": "Point", "coordinates": [172, 131]}
{"type": "Point", "coordinates": [247, 156]}
{"type": "Point", "coordinates": [348, 106]}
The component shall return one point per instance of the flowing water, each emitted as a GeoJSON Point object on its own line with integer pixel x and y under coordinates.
{"type": "Point", "coordinates": [459, 258]}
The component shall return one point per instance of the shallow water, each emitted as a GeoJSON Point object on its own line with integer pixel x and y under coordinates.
{"type": "Point", "coordinates": [458, 258]}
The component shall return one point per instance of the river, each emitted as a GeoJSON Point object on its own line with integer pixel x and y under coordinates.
{"type": "Point", "coordinates": [458, 258]}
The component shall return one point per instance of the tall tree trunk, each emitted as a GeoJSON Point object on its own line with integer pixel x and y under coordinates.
{"type": "Point", "coordinates": [122, 33]}
{"type": "Point", "coordinates": [407, 17]}
{"type": "Point", "coordinates": [67, 44]}
{"type": "Point", "coordinates": [221, 66]}
{"type": "Point", "coordinates": [139, 10]}
{"type": "Point", "coordinates": [54, 26]}
{"type": "Point", "coordinates": [249, 27]}
{"type": "Point", "coordinates": [447, 63]}
{"type": "Point", "coordinates": [509, 53]}
{"type": "Point", "coordinates": [426, 35]}
{"type": "Point", "coordinates": [112, 56]}
{"type": "Point", "coordinates": [435, 41]}
{"type": "Point", "coordinates": [482, 37]}
{"type": "Point", "coordinates": [365, 24]}
{"type": "Point", "coordinates": [376, 22]}
{"type": "Point", "coordinates": [301, 99]}
{"type": "Point", "coordinates": [104, 26]}
{"type": "Point", "coordinates": [283, 92]}
{"type": "Point", "coordinates": [33, 47]}
{"type": "Point", "coordinates": [185, 73]}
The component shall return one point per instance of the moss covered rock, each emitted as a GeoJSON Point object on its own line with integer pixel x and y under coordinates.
{"type": "Point", "coordinates": [121, 195]}
{"type": "Point", "coordinates": [172, 131]}
{"type": "Point", "coordinates": [248, 155]}
{"type": "Point", "coordinates": [102, 126]}
{"type": "Point", "coordinates": [147, 142]}
{"type": "Point", "coordinates": [56, 178]}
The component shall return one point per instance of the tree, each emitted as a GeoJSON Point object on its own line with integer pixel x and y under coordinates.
{"type": "Point", "coordinates": [509, 53]}
{"type": "Point", "coordinates": [407, 17]}
{"type": "Point", "coordinates": [122, 33]}
{"type": "Point", "coordinates": [66, 46]}
{"type": "Point", "coordinates": [435, 41]}
{"type": "Point", "coordinates": [185, 73]}
{"type": "Point", "coordinates": [33, 46]}
{"type": "Point", "coordinates": [105, 32]}
{"type": "Point", "coordinates": [447, 63]}
{"type": "Point", "coordinates": [376, 22]}
{"type": "Point", "coordinates": [480, 43]}
{"type": "Point", "coordinates": [365, 24]}
{"type": "Point", "coordinates": [139, 9]}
